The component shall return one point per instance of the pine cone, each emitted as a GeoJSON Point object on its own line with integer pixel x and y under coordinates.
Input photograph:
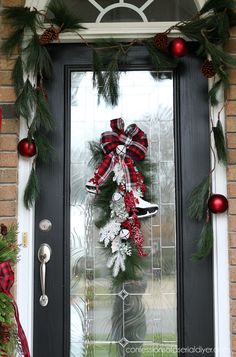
{"type": "Point", "coordinates": [160, 41]}
{"type": "Point", "coordinates": [208, 69]}
{"type": "Point", "coordinates": [3, 229]}
{"type": "Point", "coordinates": [49, 35]}
{"type": "Point", "coordinates": [4, 333]}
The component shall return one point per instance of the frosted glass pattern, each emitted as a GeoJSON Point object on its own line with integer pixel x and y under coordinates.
{"type": "Point", "coordinates": [137, 318]}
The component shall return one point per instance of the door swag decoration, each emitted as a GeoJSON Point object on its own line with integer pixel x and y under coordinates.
{"type": "Point", "coordinates": [33, 30]}
{"type": "Point", "coordinates": [11, 332]}
{"type": "Point", "coordinates": [117, 171]}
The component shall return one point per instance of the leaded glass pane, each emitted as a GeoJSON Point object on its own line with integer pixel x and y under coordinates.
{"type": "Point", "coordinates": [138, 318]}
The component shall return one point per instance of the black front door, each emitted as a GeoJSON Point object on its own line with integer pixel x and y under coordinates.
{"type": "Point", "coordinates": [170, 312]}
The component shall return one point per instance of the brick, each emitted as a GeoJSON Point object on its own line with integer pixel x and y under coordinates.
{"type": "Point", "coordinates": [232, 206]}
{"type": "Point", "coordinates": [7, 208]}
{"type": "Point", "coordinates": [233, 274]}
{"type": "Point", "coordinates": [233, 31]}
{"type": "Point", "coordinates": [8, 220]}
{"type": "Point", "coordinates": [231, 154]}
{"type": "Point", "coordinates": [231, 173]}
{"type": "Point", "coordinates": [231, 45]}
{"type": "Point", "coordinates": [232, 190]}
{"type": "Point", "coordinates": [233, 325]}
{"type": "Point", "coordinates": [231, 93]}
{"type": "Point", "coordinates": [7, 64]}
{"type": "Point", "coordinates": [232, 259]}
{"type": "Point", "coordinates": [6, 30]}
{"type": "Point", "coordinates": [5, 78]}
{"type": "Point", "coordinates": [13, 2]}
{"type": "Point", "coordinates": [231, 124]}
{"type": "Point", "coordinates": [232, 223]}
{"type": "Point", "coordinates": [233, 308]}
{"type": "Point", "coordinates": [231, 141]}
{"type": "Point", "coordinates": [232, 240]}
{"type": "Point", "coordinates": [8, 142]}
{"type": "Point", "coordinates": [7, 94]}
{"type": "Point", "coordinates": [8, 175]}
{"type": "Point", "coordinates": [233, 342]}
{"type": "Point", "coordinates": [10, 126]}
{"type": "Point", "coordinates": [232, 76]}
{"type": "Point", "coordinates": [8, 192]}
{"type": "Point", "coordinates": [8, 111]}
{"type": "Point", "coordinates": [231, 107]}
{"type": "Point", "coordinates": [8, 159]}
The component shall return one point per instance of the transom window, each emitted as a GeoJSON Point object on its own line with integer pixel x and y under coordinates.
{"type": "Point", "coordinates": [91, 11]}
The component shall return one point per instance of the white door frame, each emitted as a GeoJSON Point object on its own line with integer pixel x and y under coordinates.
{"type": "Point", "coordinates": [25, 267]}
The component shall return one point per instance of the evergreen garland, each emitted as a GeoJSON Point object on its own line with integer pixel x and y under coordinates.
{"type": "Point", "coordinates": [8, 330]}
{"type": "Point", "coordinates": [210, 27]}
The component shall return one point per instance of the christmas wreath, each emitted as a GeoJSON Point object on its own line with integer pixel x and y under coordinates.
{"type": "Point", "coordinates": [210, 28]}
{"type": "Point", "coordinates": [120, 187]}
{"type": "Point", "coordinates": [11, 332]}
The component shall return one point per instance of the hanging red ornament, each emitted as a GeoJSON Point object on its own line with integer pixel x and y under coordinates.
{"type": "Point", "coordinates": [178, 47]}
{"type": "Point", "coordinates": [27, 147]}
{"type": "Point", "coordinates": [218, 203]}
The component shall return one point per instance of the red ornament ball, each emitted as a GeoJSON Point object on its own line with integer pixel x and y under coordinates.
{"type": "Point", "coordinates": [218, 203]}
{"type": "Point", "coordinates": [178, 47]}
{"type": "Point", "coordinates": [27, 147]}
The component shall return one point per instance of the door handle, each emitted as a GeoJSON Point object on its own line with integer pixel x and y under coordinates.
{"type": "Point", "coordinates": [44, 255]}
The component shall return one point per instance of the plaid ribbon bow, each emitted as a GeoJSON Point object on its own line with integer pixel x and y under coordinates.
{"type": "Point", "coordinates": [6, 282]}
{"type": "Point", "coordinates": [136, 144]}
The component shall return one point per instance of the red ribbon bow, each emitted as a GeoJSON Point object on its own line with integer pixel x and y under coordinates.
{"type": "Point", "coordinates": [136, 144]}
{"type": "Point", "coordinates": [6, 282]}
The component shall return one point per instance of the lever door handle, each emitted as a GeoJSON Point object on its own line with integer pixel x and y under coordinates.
{"type": "Point", "coordinates": [44, 255]}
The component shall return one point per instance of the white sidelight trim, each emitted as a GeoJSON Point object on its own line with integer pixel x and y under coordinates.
{"type": "Point", "coordinates": [220, 252]}
{"type": "Point", "coordinates": [25, 267]}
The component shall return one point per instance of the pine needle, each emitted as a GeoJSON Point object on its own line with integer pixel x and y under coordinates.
{"type": "Point", "coordinates": [160, 59]}
{"type": "Point", "coordinates": [198, 199]}
{"type": "Point", "coordinates": [21, 17]}
{"type": "Point", "coordinates": [96, 152]}
{"type": "Point", "coordinates": [45, 150]}
{"type": "Point", "coordinates": [32, 189]}
{"type": "Point", "coordinates": [205, 243]}
{"type": "Point", "coordinates": [220, 143]}
{"type": "Point", "coordinates": [26, 101]}
{"type": "Point", "coordinates": [38, 60]}
{"type": "Point", "coordinates": [213, 92]}
{"type": "Point", "coordinates": [217, 5]}
{"type": "Point", "coordinates": [13, 42]}
{"type": "Point", "coordinates": [63, 17]}
{"type": "Point", "coordinates": [17, 76]}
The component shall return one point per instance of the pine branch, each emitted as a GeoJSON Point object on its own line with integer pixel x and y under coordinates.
{"type": "Point", "coordinates": [38, 60]}
{"type": "Point", "coordinates": [13, 42]}
{"type": "Point", "coordinates": [205, 243]}
{"type": "Point", "coordinates": [45, 150]}
{"type": "Point", "coordinates": [98, 66]}
{"type": "Point", "coordinates": [43, 116]}
{"type": "Point", "coordinates": [21, 17]}
{"type": "Point", "coordinates": [220, 143]}
{"type": "Point", "coordinates": [32, 189]}
{"type": "Point", "coordinates": [63, 17]}
{"type": "Point", "coordinates": [217, 6]}
{"type": "Point", "coordinates": [26, 101]}
{"type": "Point", "coordinates": [213, 92]}
{"type": "Point", "coordinates": [197, 200]}
{"type": "Point", "coordinates": [160, 59]}
{"type": "Point", "coordinates": [97, 154]}
{"type": "Point", "coordinates": [17, 76]}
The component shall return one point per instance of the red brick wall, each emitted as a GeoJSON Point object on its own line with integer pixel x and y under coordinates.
{"type": "Point", "coordinates": [231, 177]}
{"type": "Point", "coordinates": [8, 132]}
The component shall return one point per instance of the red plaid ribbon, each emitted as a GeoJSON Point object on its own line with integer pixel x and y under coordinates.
{"type": "Point", "coordinates": [135, 141]}
{"type": "Point", "coordinates": [6, 282]}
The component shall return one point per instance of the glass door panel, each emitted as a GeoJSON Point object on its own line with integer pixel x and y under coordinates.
{"type": "Point", "coordinates": [138, 318]}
